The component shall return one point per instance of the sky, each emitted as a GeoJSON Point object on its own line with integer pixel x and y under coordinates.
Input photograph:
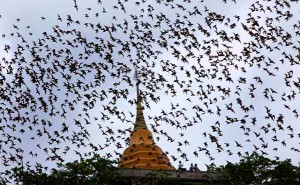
{"type": "Point", "coordinates": [34, 21]}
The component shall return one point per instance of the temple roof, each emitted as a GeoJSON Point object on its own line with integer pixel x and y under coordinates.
{"type": "Point", "coordinates": [142, 152]}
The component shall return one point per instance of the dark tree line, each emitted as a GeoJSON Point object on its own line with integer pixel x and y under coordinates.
{"type": "Point", "coordinates": [95, 170]}
{"type": "Point", "coordinates": [257, 169]}
{"type": "Point", "coordinates": [250, 170]}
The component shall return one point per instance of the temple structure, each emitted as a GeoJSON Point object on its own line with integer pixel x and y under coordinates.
{"type": "Point", "coordinates": [142, 152]}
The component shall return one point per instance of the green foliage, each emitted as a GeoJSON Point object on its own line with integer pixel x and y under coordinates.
{"type": "Point", "coordinates": [285, 173]}
{"type": "Point", "coordinates": [95, 170]}
{"type": "Point", "coordinates": [257, 169]}
{"type": "Point", "coordinates": [251, 170]}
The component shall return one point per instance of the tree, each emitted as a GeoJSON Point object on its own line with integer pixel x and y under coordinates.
{"type": "Point", "coordinates": [285, 173]}
{"type": "Point", "coordinates": [96, 170]}
{"type": "Point", "coordinates": [93, 171]}
{"type": "Point", "coordinates": [257, 169]}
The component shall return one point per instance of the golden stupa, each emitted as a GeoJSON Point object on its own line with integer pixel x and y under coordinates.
{"type": "Point", "coordinates": [142, 152]}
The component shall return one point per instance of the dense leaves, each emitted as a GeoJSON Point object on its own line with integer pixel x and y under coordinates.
{"type": "Point", "coordinates": [251, 170]}
{"type": "Point", "coordinates": [257, 169]}
{"type": "Point", "coordinates": [95, 170]}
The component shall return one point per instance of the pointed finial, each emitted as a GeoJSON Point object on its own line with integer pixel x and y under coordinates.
{"type": "Point", "coordinates": [136, 75]}
{"type": "Point", "coordinates": [137, 79]}
{"type": "Point", "coordinates": [140, 120]}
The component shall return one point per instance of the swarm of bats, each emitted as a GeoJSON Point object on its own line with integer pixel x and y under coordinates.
{"type": "Point", "coordinates": [69, 90]}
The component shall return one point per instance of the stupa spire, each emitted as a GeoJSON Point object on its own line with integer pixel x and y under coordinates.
{"type": "Point", "coordinates": [142, 152]}
{"type": "Point", "coordinates": [140, 120]}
